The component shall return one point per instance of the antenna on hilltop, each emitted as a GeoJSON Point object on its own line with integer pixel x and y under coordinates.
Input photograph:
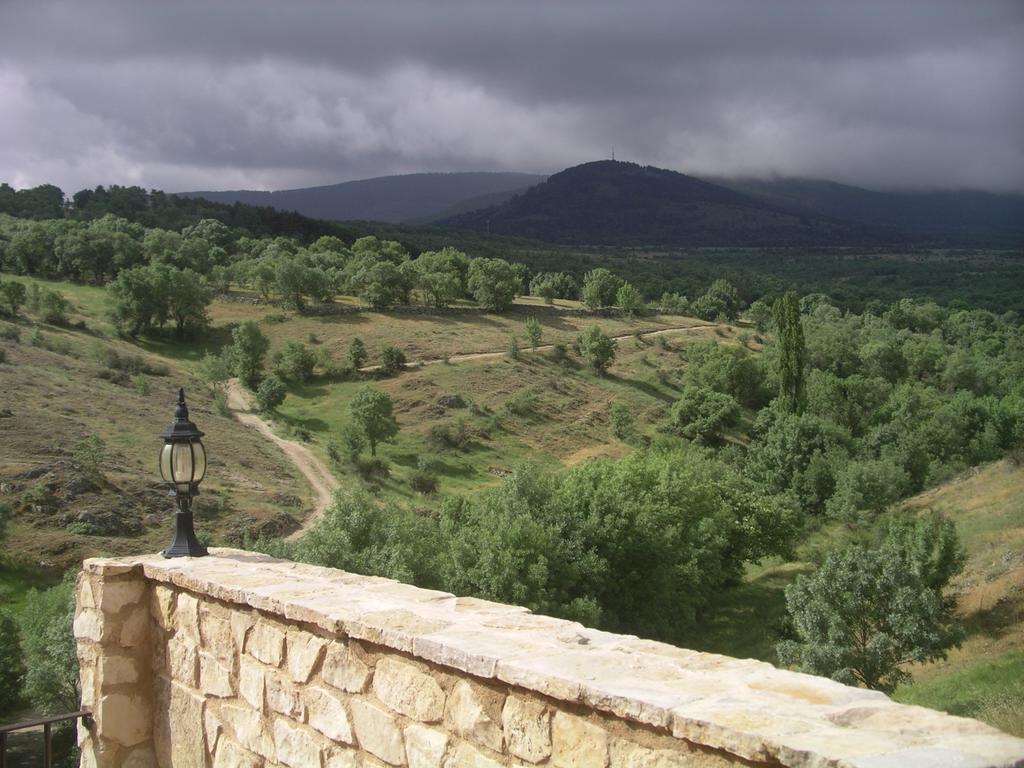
{"type": "Point", "coordinates": [613, 154]}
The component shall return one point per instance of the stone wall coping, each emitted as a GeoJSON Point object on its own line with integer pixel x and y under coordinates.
{"type": "Point", "coordinates": [745, 707]}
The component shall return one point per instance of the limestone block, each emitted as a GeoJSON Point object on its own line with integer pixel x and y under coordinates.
{"type": "Point", "coordinates": [304, 652]}
{"type": "Point", "coordinates": [248, 728]}
{"type": "Point", "coordinates": [266, 643]}
{"type": "Point", "coordinates": [186, 616]}
{"type": "Point", "coordinates": [626, 754]}
{"type": "Point", "coordinates": [341, 758]}
{"type": "Point", "coordinates": [215, 631]}
{"type": "Point", "coordinates": [377, 732]}
{"type": "Point", "coordinates": [241, 624]}
{"type": "Point", "coordinates": [527, 728]}
{"type": "Point", "coordinates": [86, 589]}
{"type": "Point", "coordinates": [125, 718]}
{"type": "Point", "coordinates": [135, 630]}
{"type": "Point", "coordinates": [296, 746]}
{"type": "Point", "coordinates": [231, 755]}
{"type": "Point", "coordinates": [89, 624]}
{"type": "Point", "coordinates": [326, 713]}
{"type": "Point", "coordinates": [577, 743]}
{"type": "Point", "coordinates": [183, 658]}
{"type": "Point", "coordinates": [214, 677]}
{"type": "Point", "coordinates": [161, 605]}
{"type": "Point", "coordinates": [474, 712]}
{"type": "Point", "coordinates": [212, 727]}
{"type": "Point", "coordinates": [140, 757]}
{"type": "Point", "coordinates": [115, 595]}
{"type": "Point", "coordinates": [467, 756]}
{"type": "Point", "coordinates": [117, 670]}
{"type": "Point", "coordinates": [184, 727]}
{"type": "Point", "coordinates": [407, 688]}
{"type": "Point", "coordinates": [344, 669]}
{"type": "Point", "coordinates": [425, 747]}
{"type": "Point", "coordinates": [251, 683]}
{"type": "Point", "coordinates": [87, 681]}
{"type": "Point", "coordinates": [282, 696]}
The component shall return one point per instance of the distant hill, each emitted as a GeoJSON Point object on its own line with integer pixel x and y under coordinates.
{"type": "Point", "coordinates": [617, 203]}
{"type": "Point", "coordinates": [967, 215]}
{"type": "Point", "coordinates": [413, 197]}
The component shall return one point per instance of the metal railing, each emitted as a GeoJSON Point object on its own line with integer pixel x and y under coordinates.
{"type": "Point", "coordinates": [47, 723]}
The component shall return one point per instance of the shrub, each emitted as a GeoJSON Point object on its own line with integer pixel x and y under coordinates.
{"type": "Point", "coordinates": [533, 332]}
{"type": "Point", "coordinates": [10, 333]}
{"type": "Point", "coordinates": [392, 360]}
{"type": "Point", "coordinates": [270, 393]}
{"type": "Point", "coordinates": [372, 468]}
{"type": "Point", "coordinates": [423, 479]}
{"type": "Point", "coordinates": [87, 454]}
{"type": "Point", "coordinates": [220, 405]}
{"type": "Point", "coordinates": [294, 362]}
{"type": "Point", "coordinates": [558, 353]}
{"type": "Point", "coordinates": [141, 384]}
{"type": "Point", "coordinates": [513, 347]}
{"type": "Point", "coordinates": [522, 403]}
{"type": "Point", "coordinates": [356, 353]}
{"type": "Point", "coordinates": [597, 349]}
{"type": "Point", "coordinates": [703, 414]}
{"type": "Point", "coordinates": [351, 442]}
{"type": "Point", "coordinates": [620, 422]}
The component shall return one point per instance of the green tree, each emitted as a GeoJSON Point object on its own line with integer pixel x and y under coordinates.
{"type": "Point", "coordinates": [493, 283]}
{"type": "Point", "coordinates": [628, 299]}
{"type": "Point", "coordinates": [621, 423]}
{"type": "Point", "coordinates": [357, 354]}
{"type": "Point", "coordinates": [703, 414]}
{"type": "Point", "coordinates": [791, 355]}
{"type": "Point", "coordinates": [295, 362]}
{"type": "Point", "coordinates": [214, 371]}
{"type": "Point", "coordinates": [371, 411]}
{"type": "Point", "coordinates": [533, 332]}
{"type": "Point", "coordinates": [248, 348]}
{"type": "Point", "coordinates": [392, 359]}
{"type": "Point", "coordinates": [600, 287]}
{"type": "Point", "coordinates": [13, 295]}
{"type": "Point", "coordinates": [11, 667]}
{"type": "Point", "coordinates": [512, 350]}
{"type": "Point", "coordinates": [441, 275]}
{"type": "Point", "coordinates": [868, 612]}
{"type": "Point", "coordinates": [597, 348]}
{"type": "Point", "coordinates": [720, 300]}
{"type": "Point", "coordinates": [50, 682]}
{"type": "Point", "coordinates": [270, 393]}
{"type": "Point", "coordinates": [760, 314]}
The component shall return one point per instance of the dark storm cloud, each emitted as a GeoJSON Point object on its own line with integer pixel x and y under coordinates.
{"type": "Point", "coordinates": [279, 94]}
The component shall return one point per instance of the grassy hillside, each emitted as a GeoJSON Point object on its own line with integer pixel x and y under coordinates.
{"type": "Point", "coordinates": [985, 676]}
{"type": "Point", "coordinates": [63, 385]}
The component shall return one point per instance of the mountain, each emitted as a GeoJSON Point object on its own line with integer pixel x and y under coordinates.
{"type": "Point", "coordinates": [394, 199]}
{"type": "Point", "coordinates": [970, 216]}
{"type": "Point", "coordinates": [617, 203]}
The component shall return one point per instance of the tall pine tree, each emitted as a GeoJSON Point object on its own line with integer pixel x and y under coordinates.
{"type": "Point", "coordinates": [790, 330]}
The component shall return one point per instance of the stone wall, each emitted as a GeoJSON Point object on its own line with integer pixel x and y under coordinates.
{"type": "Point", "coordinates": [240, 660]}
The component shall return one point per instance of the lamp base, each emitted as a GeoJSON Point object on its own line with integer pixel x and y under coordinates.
{"type": "Point", "coordinates": [185, 543]}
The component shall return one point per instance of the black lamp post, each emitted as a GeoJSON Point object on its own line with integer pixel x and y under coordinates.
{"type": "Point", "coordinates": [183, 466]}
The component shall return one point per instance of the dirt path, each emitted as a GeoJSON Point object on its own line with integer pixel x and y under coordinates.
{"type": "Point", "coordinates": [319, 476]}
{"type": "Point", "coordinates": [469, 356]}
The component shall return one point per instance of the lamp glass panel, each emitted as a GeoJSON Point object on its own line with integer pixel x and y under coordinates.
{"type": "Point", "coordinates": [200, 460]}
{"type": "Point", "coordinates": [182, 464]}
{"type": "Point", "coordinates": [165, 463]}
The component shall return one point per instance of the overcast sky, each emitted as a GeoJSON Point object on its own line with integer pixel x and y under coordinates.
{"type": "Point", "coordinates": [227, 94]}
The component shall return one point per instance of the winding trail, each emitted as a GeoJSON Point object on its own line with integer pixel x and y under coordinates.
{"type": "Point", "coordinates": [315, 471]}
{"type": "Point", "coordinates": [324, 483]}
{"type": "Point", "coordinates": [470, 356]}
